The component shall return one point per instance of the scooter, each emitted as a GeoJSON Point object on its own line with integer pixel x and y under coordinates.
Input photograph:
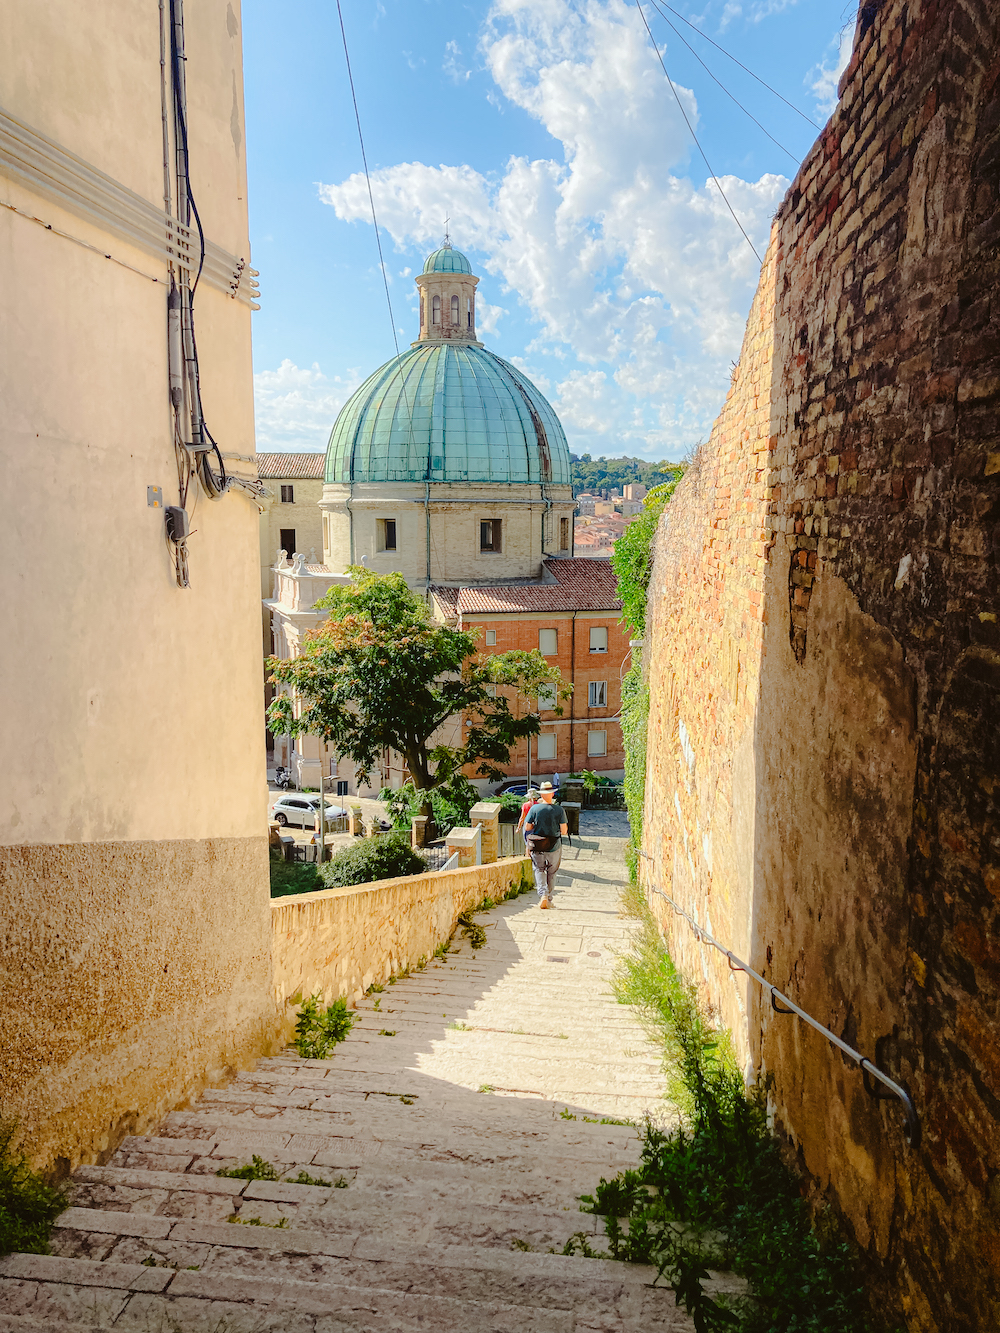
{"type": "Point", "coordinates": [282, 778]}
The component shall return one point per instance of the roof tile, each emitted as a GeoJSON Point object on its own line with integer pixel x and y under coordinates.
{"type": "Point", "coordinates": [272, 466]}
{"type": "Point", "coordinates": [582, 585]}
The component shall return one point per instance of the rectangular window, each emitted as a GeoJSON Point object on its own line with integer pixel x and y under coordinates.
{"type": "Point", "coordinates": [597, 694]}
{"type": "Point", "coordinates": [491, 638]}
{"type": "Point", "coordinates": [546, 697]}
{"type": "Point", "coordinates": [597, 743]}
{"type": "Point", "coordinates": [489, 534]}
{"type": "Point", "coordinates": [288, 495]}
{"type": "Point", "coordinates": [286, 539]}
{"type": "Point", "coordinates": [599, 639]}
{"type": "Point", "coordinates": [564, 534]}
{"type": "Point", "coordinates": [386, 534]}
{"type": "Point", "coordinates": [546, 748]}
{"type": "Point", "coordinates": [548, 642]}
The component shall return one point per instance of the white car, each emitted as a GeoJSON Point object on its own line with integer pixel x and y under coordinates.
{"type": "Point", "coordinates": [301, 808]}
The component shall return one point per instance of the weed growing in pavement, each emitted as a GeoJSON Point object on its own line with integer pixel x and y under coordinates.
{"type": "Point", "coordinates": [566, 1114]}
{"type": "Point", "coordinates": [304, 1178]}
{"type": "Point", "coordinates": [472, 930]}
{"type": "Point", "coordinates": [151, 1261]}
{"type": "Point", "coordinates": [29, 1205]}
{"type": "Point", "coordinates": [561, 1036]}
{"type": "Point", "coordinates": [376, 1006]}
{"type": "Point", "coordinates": [579, 1243]}
{"type": "Point", "coordinates": [459, 1026]}
{"type": "Point", "coordinates": [341, 1183]}
{"type": "Point", "coordinates": [318, 1030]}
{"type": "Point", "coordinates": [280, 1225]}
{"type": "Point", "coordinates": [522, 1245]}
{"type": "Point", "coordinates": [442, 949]}
{"type": "Point", "coordinates": [606, 1120]}
{"type": "Point", "coordinates": [256, 1169]}
{"type": "Point", "coordinates": [387, 1032]}
{"type": "Point", "coordinates": [487, 1087]}
{"type": "Point", "coordinates": [715, 1192]}
{"type": "Point", "coordinates": [374, 989]}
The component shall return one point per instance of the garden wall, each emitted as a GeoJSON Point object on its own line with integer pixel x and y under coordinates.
{"type": "Point", "coordinates": [824, 662]}
{"type": "Point", "coordinates": [341, 941]}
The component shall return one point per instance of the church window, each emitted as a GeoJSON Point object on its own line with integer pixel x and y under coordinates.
{"type": "Point", "coordinates": [468, 312]}
{"type": "Point", "coordinates": [548, 642]}
{"type": "Point", "coordinates": [436, 310]}
{"type": "Point", "coordinates": [286, 539]}
{"type": "Point", "coordinates": [564, 534]}
{"type": "Point", "coordinates": [387, 534]}
{"type": "Point", "coordinates": [490, 533]}
{"type": "Point", "coordinates": [454, 311]}
{"type": "Point", "coordinates": [288, 495]}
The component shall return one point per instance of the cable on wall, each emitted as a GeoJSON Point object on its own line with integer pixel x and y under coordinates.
{"type": "Point", "coordinates": [659, 56]}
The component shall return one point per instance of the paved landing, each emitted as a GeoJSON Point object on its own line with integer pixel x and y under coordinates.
{"type": "Point", "coordinates": [454, 1129]}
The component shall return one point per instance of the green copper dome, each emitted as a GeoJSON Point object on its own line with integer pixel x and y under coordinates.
{"type": "Point", "coordinates": [447, 412]}
{"type": "Point", "coordinates": [447, 260]}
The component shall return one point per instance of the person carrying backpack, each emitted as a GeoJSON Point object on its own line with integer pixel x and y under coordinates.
{"type": "Point", "coordinates": [544, 830]}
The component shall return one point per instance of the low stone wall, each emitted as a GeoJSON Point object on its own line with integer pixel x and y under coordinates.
{"type": "Point", "coordinates": [341, 941]}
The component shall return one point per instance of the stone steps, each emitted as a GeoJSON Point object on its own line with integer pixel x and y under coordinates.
{"type": "Point", "coordinates": [451, 1198]}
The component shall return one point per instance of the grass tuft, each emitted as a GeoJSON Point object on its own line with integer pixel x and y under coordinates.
{"type": "Point", "coordinates": [29, 1205]}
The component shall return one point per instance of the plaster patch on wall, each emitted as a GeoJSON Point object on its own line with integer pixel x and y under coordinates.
{"type": "Point", "coordinates": [903, 572]}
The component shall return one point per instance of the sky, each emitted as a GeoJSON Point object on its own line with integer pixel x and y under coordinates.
{"type": "Point", "coordinates": [612, 271]}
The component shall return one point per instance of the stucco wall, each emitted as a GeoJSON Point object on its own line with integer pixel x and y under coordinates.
{"type": "Point", "coordinates": [341, 941]}
{"type": "Point", "coordinates": [134, 804]}
{"type": "Point", "coordinates": [824, 662]}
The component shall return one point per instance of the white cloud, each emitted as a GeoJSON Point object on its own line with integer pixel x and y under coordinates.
{"type": "Point", "coordinates": [488, 316]}
{"type": "Point", "coordinates": [826, 76]}
{"type": "Point", "coordinates": [296, 407]}
{"type": "Point", "coordinates": [453, 67]}
{"type": "Point", "coordinates": [625, 264]}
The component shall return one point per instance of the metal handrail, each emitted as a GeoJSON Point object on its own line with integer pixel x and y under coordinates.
{"type": "Point", "coordinates": [868, 1070]}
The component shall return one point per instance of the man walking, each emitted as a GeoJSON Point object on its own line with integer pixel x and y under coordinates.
{"type": "Point", "coordinates": [544, 830]}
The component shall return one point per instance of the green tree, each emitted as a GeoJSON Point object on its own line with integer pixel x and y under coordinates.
{"type": "Point", "coordinates": [380, 674]}
{"type": "Point", "coordinates": [632, 555]}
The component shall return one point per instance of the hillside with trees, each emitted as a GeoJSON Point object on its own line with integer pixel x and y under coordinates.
{"type": "Point", "coordinates": [598, 474]}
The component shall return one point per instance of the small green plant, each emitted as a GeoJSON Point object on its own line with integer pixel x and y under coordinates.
{"type": "Point", "coordinates": [442, 949]}
{"type": "Point", "coordinates": [304, 1178]}
{"type": "Point", "coordinates": [293, 877]}
{"type": "Point", "coordinates": [421, 962]}
{"type": "Point", "coordinates": [472, 930]}
{"type": "Point", "coordinates": [522, 1245]}
{"type": "Point", "coordinates": [487, 1087]}
{"type": "Point", "coordinates": [579, 1243]}
{"type": "Point", "coordinates": [256, 1169]}
{"type": "Point", "coordinates": [407, 1101]}
{"type": "Point", "coordinates": [566, 1114]}
{"type": "Point", "coordinates": [561, 1036]}
{"type": "Point", "coordinates": [459, 1026]}
{"type": "Point", "coordinates": [387, 1032]}
{"type": "Point", "coordinates": [29, 1205]}
{"type": "Point", "coordinates": [318, 1030]}
{"type": "Point", "coordinates": [280, 1225]}
{"type": "Point", "coordinates": [376, 1006]}
{"type": "Point", "coordinates": [374, 989]}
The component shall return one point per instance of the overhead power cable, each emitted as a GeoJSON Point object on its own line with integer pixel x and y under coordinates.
{"type": "Point", "coordinates": [718, 186]}
{"type": "Point", "coordinates": [731, 57]}
{"type": "Point", "coordinates": [680, 36]}
{"type": "Point", "coordinates": [368, 182]}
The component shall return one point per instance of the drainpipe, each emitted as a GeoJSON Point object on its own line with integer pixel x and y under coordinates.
{"type": "Point", "coordinates": [427, 518]}
{"type": "Point", "coordinates": [350, 516]}
{"type": "Point", "coordinates": [572, 697]}
{"type": "Point", "coordinates": [545, 515]}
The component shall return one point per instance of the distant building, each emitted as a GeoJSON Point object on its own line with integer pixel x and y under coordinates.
{"type": "Point", "coordinates": [291, 521]}
{"type": "Point", "coordinates": [635, 491]}
{"type": "Point", "coordinates": [629, 508]}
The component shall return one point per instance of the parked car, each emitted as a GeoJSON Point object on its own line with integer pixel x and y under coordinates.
{"type": "Point", "coordinates": [516, 787]}
{"type": "Point", "coordinates": [301, 808]}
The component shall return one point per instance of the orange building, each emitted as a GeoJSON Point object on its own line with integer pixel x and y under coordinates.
{"type": "Point", "coordinates": [572, 616]}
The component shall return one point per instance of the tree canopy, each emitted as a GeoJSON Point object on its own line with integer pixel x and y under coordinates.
{"type": "Point", "coordinates": [598, 474]}
{"type": "Point", "coordinates": [380, 674]}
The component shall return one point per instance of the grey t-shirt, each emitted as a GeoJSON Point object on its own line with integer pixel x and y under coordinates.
{"type": "Point", "coordinates": [545, 820]}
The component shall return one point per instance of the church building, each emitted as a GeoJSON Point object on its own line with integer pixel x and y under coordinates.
{"type": "Point", "coordinates": [450, 467]}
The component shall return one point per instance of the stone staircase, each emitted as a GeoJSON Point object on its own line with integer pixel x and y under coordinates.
{"type": "Point", "coordinates": [455, 1129]}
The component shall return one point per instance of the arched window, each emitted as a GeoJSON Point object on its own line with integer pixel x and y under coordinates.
{"type": "Point", "coordinates": [423, 313]}
{"type": "Point", "coordinates": [436, 310]}
{"type": "Point", "coordinates": [468, 312]}
{"type": "Point", "coordinates": [454, 311]}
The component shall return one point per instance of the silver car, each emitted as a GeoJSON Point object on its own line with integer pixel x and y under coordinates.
{"type": "Point", "coordinates": [301, 808]}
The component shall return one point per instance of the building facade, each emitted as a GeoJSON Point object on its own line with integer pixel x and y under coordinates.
{"type": "Point", "coordinates": [450, 467]}
{"type": "Point", "coordinates": [291, 520]}
{"type": "Point", "coordinates": [133, 847]}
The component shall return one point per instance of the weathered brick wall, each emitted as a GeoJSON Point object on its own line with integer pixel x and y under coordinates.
{"type": "Point", "coordinates": [824, 660]}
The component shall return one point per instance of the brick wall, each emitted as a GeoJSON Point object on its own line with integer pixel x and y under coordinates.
{"type": "Point", "coordinates": [824, 661]}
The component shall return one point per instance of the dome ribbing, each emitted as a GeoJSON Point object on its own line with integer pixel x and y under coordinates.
{"type": "Point", "coordinates": [447, 260]}
{"type": "Point", "coordinates": [448, 413]}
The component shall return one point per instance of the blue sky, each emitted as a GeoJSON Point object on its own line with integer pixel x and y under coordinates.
{"type": "Point", "coordinates": [611, 271]}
